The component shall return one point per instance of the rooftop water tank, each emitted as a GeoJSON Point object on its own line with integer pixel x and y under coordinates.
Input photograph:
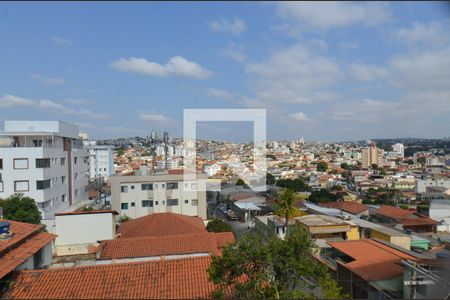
{"type": "Point", "coordinates": [4, 227]}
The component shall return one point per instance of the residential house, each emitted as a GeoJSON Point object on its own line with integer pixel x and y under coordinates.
{"type": "Point", "coordinates": [352, 208]}
{"type": "Point", "coordinates": [407, 218]}
{"type": "Point", "coordinates": [23, 246]}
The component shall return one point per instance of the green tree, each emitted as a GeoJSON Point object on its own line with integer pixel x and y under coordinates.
{"type": "Point", "coordinates": [270, 179]}
{"type": "Point", "coordinates": [258, 268]}
{"type": "Point", "coordinates": [285, 205]}
{"type": "Point", "coordinates": [345, 166]}
{"type": "Point", "coordinates": [240, 182]}
{"type": "Point", "coordinates": [124, 218]}
{"type": "Point", "coordinates": [218, 225]}
{"type": "Point", "coordinates": [120, 151]}
{"type": "Point", "coordinates": [374, 166]}
{"type": "Point", "coordinates": [421, 160]}
{"type": "Point", "coordinates": [21, 209]}
{"type": "Point", "coordinates": [297, 184]}
{"type": "Point", "coordinates": [322, 195]}
{"type": "Point", "coordinates": [322, 166]}
{"type": "Point", "coordinates": [87, 208]}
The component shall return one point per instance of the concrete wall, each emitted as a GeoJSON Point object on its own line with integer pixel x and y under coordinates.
{"type": "Point", "coordinates": [84, 228]}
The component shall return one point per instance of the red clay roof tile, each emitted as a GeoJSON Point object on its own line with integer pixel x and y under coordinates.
{"type": "Point", "coordinates": [165, 279]}
{"type": "Point", "coordinates": [394, 212]}
{"type": "Point", "coordinates": [347, 206]}
{"type": "Point", "coordinates": [161, 224]}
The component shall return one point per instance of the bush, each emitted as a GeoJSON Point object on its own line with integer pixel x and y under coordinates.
{"type": "Point", "coordinates": [322, 166]}
{"type": "Point", "coordinates": [218, 225]}
{"type": "Point", "coordinates": [21, 209]}
{"type": "Point", "coordinates": [124, 218]}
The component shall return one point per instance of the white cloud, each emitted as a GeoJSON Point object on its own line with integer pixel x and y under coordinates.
{"type": "Point", "coordinates": [433, 33]}
{"type": "Point", "coordinates": [60, 41]}
{"type": "Point", "coordinates": [366, 73]}
{"type": "Point", "coordinates": [364, 110]}
{"type": "Point", "coordinates": [346, 45]}
{"type": "Point", "coordinates": [235, 26]}
{"type": "Point", "coordinates": [218, 94]}
{"type": "Point", "coordinates": [47, 105]}
{"type": "Point", "coordinates": [51, 81]}
{"type": "Point", "coordinates": [152, 116]}
{"type": "Point", "coordinates": [333, 14]}
{"type": "Point", "coordinates": [234, 52]}
{"type": "Point", "coordinates": [300, 116]}
{"type": "Point", "coordinates": [80, 101]}
{"type": "Point", "coordinates": [177, 65]}
{"type": "Point", "coordinates": [294, 75]}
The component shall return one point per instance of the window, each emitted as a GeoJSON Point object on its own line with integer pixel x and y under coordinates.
{"type": "Point", "coordinates": [133, 204]}
{"type": "Point", "coordinates": [43, 184]}
{"type": "Point", "coordinates": [156, 202]}
{"type": "Point", "coordinates": [63, 197]}
{"type": "Point", "coordinates": [146, 186]}
{"type": "Point", "coordinates": [38, 259]}
{"type": "Point", "coordinates": [76, 193]}
{"type": "Point", "coordinates": [163, 186]}
{"type": "Point", "coordinates": [21, 186]}
{"type": "Point", "coordinates": [42, 162]}
{"type": "Point", "coordinates": [124, 189]}
{"type": "Point", "coordinates": [147, 203]}
{"type": "Point", "coordinates": [37, 143]}
{"type": "Point", "coordinates": [186, 201]}
{"type": "Point", "coordinates": [194, 202]}
{"type": "Point", "coordinates": [76, 176]}
{"type": "Point", "coordinates": [124, 206]}
{"type": "Point", "coordinates": [63, 179]}
{"type": "Point", "coordinates": [75, 159]}
{"type": "Point", "coordinates": [1, 163]}
{"type": "Point", "coordinates": [172, 202]}
{"type": "Point", "coordinates": [156, 185]}
{"type": "Point", "coordinates": [132, 187]}
{"type": "Point", "coordinates": [172, 186]}
{"type": "Point", "coordinates": [20, 163]}
{"type": "Point", "coordinates": [194, 186]}
{"type": "Point", "coordinates": [63, 161]}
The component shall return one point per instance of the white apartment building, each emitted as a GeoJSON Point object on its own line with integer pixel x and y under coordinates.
{"type": "Point", "coordinates": [140, 195]}
{"type": "Point", "coordinates": [422, 184]}
{"type": "Point", "coordinates": [101, 163]}
{"type": "Point", "coordinates": [44, 160]}
{"type": "Point", "coordinates": [212, 169]}
{"type": "Point", "coordinates": [399, 148]}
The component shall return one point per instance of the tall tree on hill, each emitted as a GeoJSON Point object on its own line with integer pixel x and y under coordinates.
{"type": "Point", "coordinates": [285, 205]}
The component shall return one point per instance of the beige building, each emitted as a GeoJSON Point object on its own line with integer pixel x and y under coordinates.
{"type": "Point", "coordinates": [140, 195]}
{"type": "Point", "coordinates": [371, 155]}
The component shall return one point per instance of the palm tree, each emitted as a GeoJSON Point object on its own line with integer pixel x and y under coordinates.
{"type": "Point", "coordinates": [285, 205]}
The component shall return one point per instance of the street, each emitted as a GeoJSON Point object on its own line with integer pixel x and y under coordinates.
{"type": "Point", "coordinates": [239, 228]}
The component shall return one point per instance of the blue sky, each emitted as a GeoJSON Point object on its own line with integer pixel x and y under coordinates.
{"type": "Point", "coordinates": [325, 71]}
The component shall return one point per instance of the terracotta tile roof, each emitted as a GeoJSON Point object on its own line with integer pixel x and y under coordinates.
{"type": "Point", "coordinates": [421, 220]}
{"type": "Point", "coordinates": [372, 260]}
{"type": "Point", "coordinates": [347, 206]}
{"type": "Point", "coordinates": [88, 212]}
{"type": "Point", "coordinates": [27, 239]}
{"type": "Point", "coordinates": [164, 279]}
{"type": "Point", "coordinates": [161, 224]}
{"type": "Point", "coordinates": [394, 212]}
{"type": "Point", "coordinates": [208, 242]}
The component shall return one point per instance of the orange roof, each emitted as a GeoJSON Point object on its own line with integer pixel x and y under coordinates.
{"type": "Point", "coordinates": [350, 207]}
{"type": "Point", "coordinates": [27, 239]}
{"type": "Point", "coordinates": [421, 220]}
{"type": "Point", "coordinates": [164, 279]}
{"type": "Point", "coordinates": [208, 242]}
{"type": "Point", "coordinates": [394, 212]}
{"type": "Point", "coordinates": [372, 260]}
{"type": "Point", "coordinates": [161, 224]}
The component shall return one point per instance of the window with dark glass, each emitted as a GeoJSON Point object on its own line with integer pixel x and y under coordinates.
{"type": "Point", "coordinates": [147, 203]}
{"type": "Point", "coordinates": [124, 206]}
{"type": "Point", "coordinates": [172, 202]}
{"type": "Point", "coordinates": [172, 185]}
{"type": "Point", "coordinates": [42, 162]}
{"type": "Point", "coordinates": [43, 184]}
{"type": "Point", "coordinates": [146, 186]}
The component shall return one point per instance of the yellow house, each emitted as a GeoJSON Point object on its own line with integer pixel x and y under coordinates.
{"type": "Point", "coordinates": [329, 228]}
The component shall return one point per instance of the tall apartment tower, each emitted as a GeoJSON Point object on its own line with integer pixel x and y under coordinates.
{"type": "Point", "coordinates": [399, 149]}
{"type": "Point", "coordinates": [101, 163]}
{"type": "Point", "coordinates": [371, 155]}
{"type": "Point", "coordinates": [46, 161]}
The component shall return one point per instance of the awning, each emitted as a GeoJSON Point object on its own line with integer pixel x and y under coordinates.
{"type": "Point", "coordinates": [247, 206]}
